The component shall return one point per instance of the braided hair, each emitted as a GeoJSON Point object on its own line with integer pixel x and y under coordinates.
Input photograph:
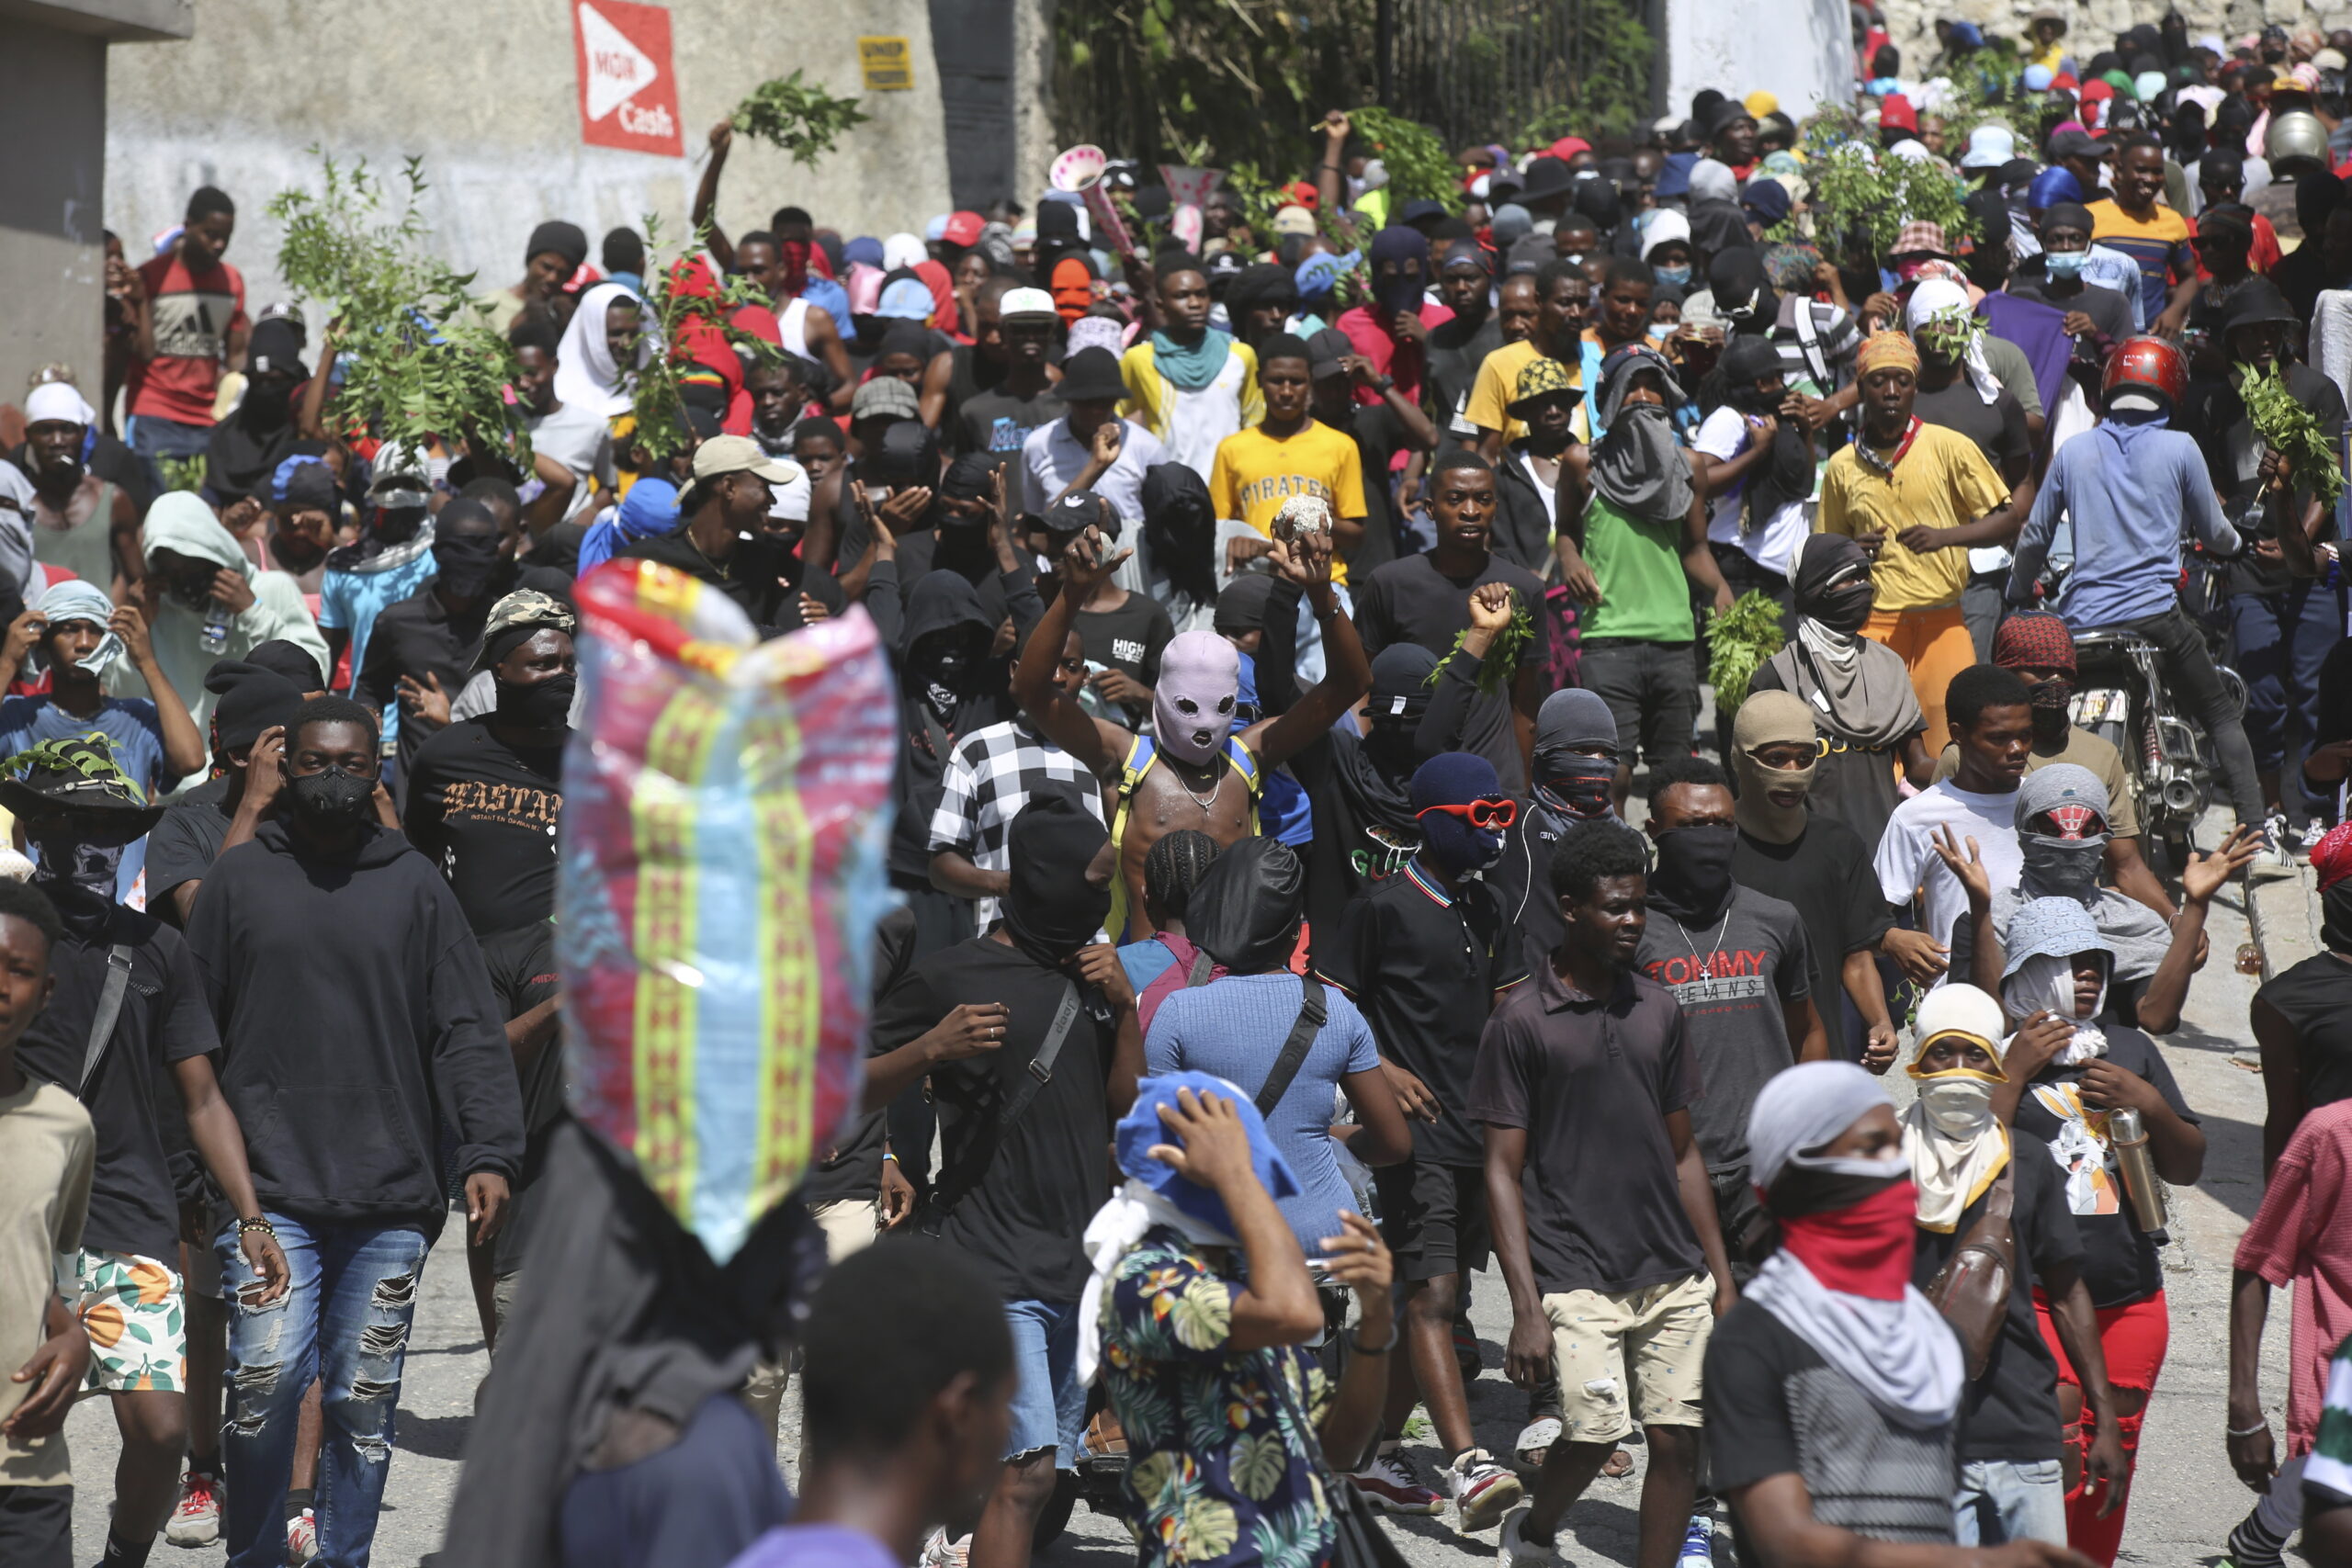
{"type": "Point", "coordinates": [1174, 865]}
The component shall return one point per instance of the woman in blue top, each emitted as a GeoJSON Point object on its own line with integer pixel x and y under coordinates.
{"type": "Point", "coordinates": [1245, 915]}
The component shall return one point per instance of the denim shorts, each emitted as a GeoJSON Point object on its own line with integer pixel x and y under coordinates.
{"type": "Point", "coordinates": [1048, 1402]}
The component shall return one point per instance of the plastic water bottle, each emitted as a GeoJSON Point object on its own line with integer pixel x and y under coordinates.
{"type": "Point", "coordinates": [214, 637]}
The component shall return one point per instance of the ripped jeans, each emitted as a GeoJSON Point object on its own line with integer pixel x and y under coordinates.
{"type": "Point", "coordinates": [343, 1320]}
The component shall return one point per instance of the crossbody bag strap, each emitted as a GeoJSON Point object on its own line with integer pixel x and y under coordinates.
{"type": "Point", "coordinates": [956, 1188]}
{"type": "Point", "coordinates": [1202, 965]}
{"type": "Point", "coordinates": [1312, 1011]}
{"type": "Point", "coordinates": [102, 1023]}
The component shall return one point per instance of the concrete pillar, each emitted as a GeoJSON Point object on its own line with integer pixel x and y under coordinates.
{"type": "Point", "coordinates": [1798, 50]}
{"type": "Point", "coordinates": [53, 111]}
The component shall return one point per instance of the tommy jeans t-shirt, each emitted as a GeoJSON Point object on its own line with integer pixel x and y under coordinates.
{"type": "Point", "coordinates": [1732, 978]}
{"type": "Point", "coordinates": [195, 312]}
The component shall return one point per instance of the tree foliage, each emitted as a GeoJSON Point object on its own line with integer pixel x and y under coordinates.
{"type": "Point", "coordinates": [687, 299]}
{"type": "Point", "coordinates": [802, 118]}
{"type": "Point", "coordinates": [1860, 196]}
{"type": "Point", "coordinates": [420, 363]}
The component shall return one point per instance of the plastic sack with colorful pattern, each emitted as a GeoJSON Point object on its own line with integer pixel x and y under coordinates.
{"type": "Point", "coordinates": [726, 808]}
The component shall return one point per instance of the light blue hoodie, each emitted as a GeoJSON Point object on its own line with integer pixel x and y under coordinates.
{"type": "Point", "coordinates": [2129, 487]}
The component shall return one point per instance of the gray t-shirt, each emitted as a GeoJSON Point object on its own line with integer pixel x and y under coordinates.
{"type": "Point", "coordinates": [1732, 976]}
{"type": "Point", "coordinates": [579, 440]}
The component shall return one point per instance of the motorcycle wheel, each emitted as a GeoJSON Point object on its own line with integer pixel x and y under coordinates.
{"type": "Point", "coordinates": [1054, 1518]}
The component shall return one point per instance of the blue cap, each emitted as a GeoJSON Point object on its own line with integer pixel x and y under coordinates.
{"type": "Point", "coordinates": [905, 300]}
{"type": "Point", "coordinates": [1674, 177]}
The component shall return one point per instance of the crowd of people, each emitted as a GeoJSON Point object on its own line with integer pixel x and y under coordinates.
{"type": "Point", "coordinates": [1286, 598]}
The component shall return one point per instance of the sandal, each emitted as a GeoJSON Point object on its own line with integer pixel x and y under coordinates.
{"type": "Point", "coordinates": [1535, 1440]}
{"type": "Point", "coordinates": [1619, 1463]}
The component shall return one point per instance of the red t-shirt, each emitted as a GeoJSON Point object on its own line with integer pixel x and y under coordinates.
{"type": "Point", "coordinates": [195, 314]}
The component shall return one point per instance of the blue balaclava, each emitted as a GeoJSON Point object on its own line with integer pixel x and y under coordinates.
{"type": "Point", "coordinates": [1456, 778]}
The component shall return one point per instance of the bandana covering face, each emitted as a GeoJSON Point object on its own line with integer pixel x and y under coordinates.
{"type": "Point", "coordinates": [1956, 1144]}
{"type": "Point", "coordinates": [1200, 679]}
{"type": "Point", "coordinates": [76, 601]}
{"type": "Point", "coordinates": [2043, 937]}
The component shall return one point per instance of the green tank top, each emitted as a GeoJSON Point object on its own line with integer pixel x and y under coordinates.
{"type": "Point", "coordinates": [1638, 564]}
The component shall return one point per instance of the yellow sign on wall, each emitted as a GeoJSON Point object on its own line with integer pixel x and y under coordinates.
{"type": "Point", "coordinates": [890, 65]}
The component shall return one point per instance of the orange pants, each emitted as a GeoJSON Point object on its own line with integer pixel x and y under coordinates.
{"type": "Point", "coordinates": [1934, 645]}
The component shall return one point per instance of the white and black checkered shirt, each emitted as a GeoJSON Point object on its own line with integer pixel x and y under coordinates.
{"type": "Point", "coordinates": [992, 775]}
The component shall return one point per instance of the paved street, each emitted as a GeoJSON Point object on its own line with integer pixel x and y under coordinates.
{"type": "Point", "coordinates": [2185, 1502]}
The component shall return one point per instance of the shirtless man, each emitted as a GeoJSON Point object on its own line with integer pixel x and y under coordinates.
{"type": "Point", "coordinates": [1193, 772]}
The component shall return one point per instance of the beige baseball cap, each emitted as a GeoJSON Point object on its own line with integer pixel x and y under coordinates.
{"type": "Point", "coordinates": [739, 454]}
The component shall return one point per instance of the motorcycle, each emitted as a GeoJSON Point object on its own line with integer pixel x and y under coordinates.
{"type": "Point", "coordinates": [2121, 696]}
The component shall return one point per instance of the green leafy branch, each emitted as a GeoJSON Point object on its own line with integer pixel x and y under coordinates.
{"type": "Point", "coordinates": [1739, 640]}
{"type": "Point", "coordinates": [2292, 431]}
{"type": "Point", "coordinates": [420, 364]}
{"type": "Point", "coordinates": [1420, 168]}
{"type": "Point", "coordinates": [1859, 197]}
{"type": "Point", "coordinates": [672, 314]}
{"type": "Point", "coordinates": [802, 118]}
{"type": "Point", "coordinates": [1503, 654]}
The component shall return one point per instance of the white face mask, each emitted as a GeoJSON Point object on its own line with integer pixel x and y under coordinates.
{"type": "Point", "coordinates": [1959, 1107]}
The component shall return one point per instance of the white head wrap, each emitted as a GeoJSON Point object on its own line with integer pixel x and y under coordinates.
{"type": "Point", "coordinates": [1942, 297]}
{"type": "Point", "coordinates": [586, 374]}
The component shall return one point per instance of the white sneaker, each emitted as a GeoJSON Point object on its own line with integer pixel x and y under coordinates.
{"type": "Point", "coordinates": [939, 1551]}
{"type": "Point", "coordinates": [196, 1518]}
{"type": "Point", "coordinates": [1517, 1551]}
{"type": "Point", "coordinates": [1483, 1490]}
{"type": "Point", "coordinates": [1389, 1484]}
{"type": "Point", "coordinates": [1698, 1544]}
{"type": "Point", "coordinates": [302, 1536]}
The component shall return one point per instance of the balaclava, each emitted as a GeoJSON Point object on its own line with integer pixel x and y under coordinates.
{"type": "Point", "coordinates": [2063, 863]}
{"type": "Point", "coordinates": [1200, 680]}
{"type": "Point", "coordinates": [1456, 778]}
{"type": "Point", "coordinates": [1571, 784]}
{"type": "Point", "coordinates": [1771, 718]}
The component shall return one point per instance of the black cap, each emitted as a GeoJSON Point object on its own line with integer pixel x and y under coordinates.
{"type": "Point", "coordinates": [1091, 376]}
{"type": "Point", "coordinates": [1078, 511]}
{"type": "Point", "coordinates": [2258, 303]}
{"type": "Point", "coordinates": [252, 699]}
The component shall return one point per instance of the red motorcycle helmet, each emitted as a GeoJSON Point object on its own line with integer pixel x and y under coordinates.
{"type": "Point", "coordinates": [2145, 364]}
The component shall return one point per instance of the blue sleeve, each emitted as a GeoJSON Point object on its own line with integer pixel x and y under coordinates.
{"type": "Point", "coordinates": [1363, 1052]}
{"type": "Point", "coordinates": [1162, 1052]}
{"type": "Point", "coordinates": [2033, 540]}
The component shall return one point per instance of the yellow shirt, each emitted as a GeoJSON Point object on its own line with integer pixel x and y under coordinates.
{"type": "Point", "coordinates": [1942, 482]}
{"type": "Point", "coordinates": [1255, 472]}
{"type": "Point", "coordinates": [1497, 384]}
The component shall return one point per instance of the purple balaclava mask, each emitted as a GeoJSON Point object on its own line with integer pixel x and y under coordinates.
{"type": "Point", "coordinates": [1191, 708]}
{"type": "Point", "coordinates": [1456, 778]}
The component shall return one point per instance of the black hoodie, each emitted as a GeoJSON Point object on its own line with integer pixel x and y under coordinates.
{"type": "Point", "coordinates": [352, 1005]}
{"type": "Point", "coordinates": [940, 601]}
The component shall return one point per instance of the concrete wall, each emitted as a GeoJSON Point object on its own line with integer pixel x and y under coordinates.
{"type": "Point", "coordinates": [1800, 50]}
{"type": "Point", "coordinates": [488, 94]}
{"type": "Point", "coordinates": [54, 85]}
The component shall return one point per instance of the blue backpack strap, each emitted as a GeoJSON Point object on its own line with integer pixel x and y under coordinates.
{"type": "Point", "coordinates": [1137, 763]}
{"type": "Point", "coordinates": [1245, 762]}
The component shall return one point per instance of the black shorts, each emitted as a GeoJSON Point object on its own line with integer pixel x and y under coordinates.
{"type": "Point", "coordinates": [1433, 1217]}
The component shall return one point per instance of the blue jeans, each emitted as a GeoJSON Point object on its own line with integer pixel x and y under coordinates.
{"type": "Point", "coordinates": [153, 439]}
{"type": "Point", "coordinates": [2279, 640]}
{"type": "Point", "coordinates": [343, 1320]}
{"type": "Point", "coordinates": [1048, 1402]}
{"type": "Point", "coordinates": [2001, 1501]}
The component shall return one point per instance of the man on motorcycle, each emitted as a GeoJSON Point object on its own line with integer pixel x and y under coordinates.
{"type": "Point", "coordinates": [2133, 486]}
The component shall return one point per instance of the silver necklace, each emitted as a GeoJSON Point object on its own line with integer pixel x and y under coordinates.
{"type": "Point", "coordinates": [1217, 785]}
{"type": "Point", "coordinates": [1706, 965]}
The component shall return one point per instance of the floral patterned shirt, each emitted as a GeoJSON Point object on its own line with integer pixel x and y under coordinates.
{"type": "Point", "coordinates": [1224, 1465]}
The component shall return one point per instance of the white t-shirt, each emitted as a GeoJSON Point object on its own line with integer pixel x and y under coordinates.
{"type": "Point", "coordinates": [580, 441]}
{"type": "Point", "coordinates": [1722, 435]}
{"type": "Point", "coordinates": [1200, 419]}
{"type": "Point", "coordinates": [1908, 859]}
{"type": "Point", "coordinates": [1548, 495]}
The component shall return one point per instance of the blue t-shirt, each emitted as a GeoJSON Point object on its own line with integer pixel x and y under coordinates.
{"type": "Point", "coordinates": [137, 735]}
{"type": "Point", "coordinates": [1235, 1027]}
{"type": "Point", "coordinates": [352, 601]}
{"type": "Point", "coordinates": [815, 1546]}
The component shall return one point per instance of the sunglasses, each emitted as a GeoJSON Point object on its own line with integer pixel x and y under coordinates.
{"type": "Point", "coordinates": [1480, 813]}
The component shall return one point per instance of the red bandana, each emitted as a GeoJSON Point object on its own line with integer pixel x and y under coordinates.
{"type": "Point", "coordinates": [1864, 1249]}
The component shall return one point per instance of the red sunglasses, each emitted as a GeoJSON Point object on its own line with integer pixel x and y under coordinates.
{"type": "Point", "coordinates": [1480, 813]}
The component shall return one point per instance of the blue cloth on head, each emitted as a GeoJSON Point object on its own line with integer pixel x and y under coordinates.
{"type": "Point", "coordinates": [863, 251]}
{"type": "Point", "coordinates": [1140, 1129]}
{"type": "Point", "coordinates": [1320, 274]}
{"type": "Point", "coordinates": [1674, 175]}
{"type": "Point", "coordinates": [650, 510]}
{"type": "Point", "coordinates": [285, 471]}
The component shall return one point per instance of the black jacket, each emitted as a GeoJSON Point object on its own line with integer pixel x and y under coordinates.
{"type": "Point", "coordinates": [353, 1006]}
{"type": "Point", "coordinates": [942, 601]}
{"type": "Point", "coordinates": [1522, 529]}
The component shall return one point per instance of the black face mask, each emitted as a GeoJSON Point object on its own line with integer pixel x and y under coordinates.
{"type": "Point", "coordinates": [1844, 609]}
{"type": "Point", "coordinates": [1694, 874]}
{"type": "Point", "coordinates": [2051, 697]}
{"type": "Point", "coordinates": [544, 705]}
{"type": "Point", "coordinates": [331, 800]}
{"type": "Point", "coordinates": [2062, 868]}
{"type": "Point", "coordinates": [1576, 785]}
{"type": "Point", "coordinates": [69, 857]}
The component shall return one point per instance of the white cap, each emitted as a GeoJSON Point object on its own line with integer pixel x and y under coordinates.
{"type": "Point", "coordinates": [1025, 303]}
{"type": "Point", "coordinates": [1989, 147]}
{"type": "Point", "coordinates": [789, 501]}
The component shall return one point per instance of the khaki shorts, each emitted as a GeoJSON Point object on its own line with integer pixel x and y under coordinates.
{"type": "Point", "coordinates": [850, 1226]}
{"type": "Point", "coordinates": [1655, 1337]}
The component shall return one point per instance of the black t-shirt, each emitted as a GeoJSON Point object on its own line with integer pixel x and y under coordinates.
{"type": "Point", "coordinates": [1455, 351]}
{"type": "Point", "coordinates": [2315, 999]}
{"type": "Point", "coordinates": [1592, 1082]}
{"type": "Point", "coordinates": [1998, 428]}
{"type": "Point", "coordinates": [2216, 415]}
{"type": "Point", "coordinates": [755, 575]}
{"type": "Point", "coordinates": [484, 812]}
{"type": "Point", "coordinates": [1378, 434]}
{"type": "Point", "coordinates": [1128, 638]}
{"type": "Point", "coordinates": [1411, 601]}
{"type": "Point", "coordinates": [1774, 1407]}
{"type": "Point", "coordinates": [417, 638]}
{"type": "Point", "coordinates": [523, 974]}
{"type": "Point", "coordinates": [183, 846]}
{"type": "Point", "coordinates": [1424, 967]}
{"type": "Point", "coordinates": [2118, 1258]}
{"type": "Point", "coordinates": [2011, 1412]}
{"type": "Point", "coordinates": [1825, 877]}
{"type": "Point", "coordinates": [132, 1101]}
{"type": "Point", "coordinates": [852, 1169]}
{"type": "Point", "coordinates": [997, 422]}
{"type": "Point", "coordinates": [1022, 1222]}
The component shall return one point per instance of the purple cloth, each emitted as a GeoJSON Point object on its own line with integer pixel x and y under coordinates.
{"type": "Point", "coordinates": [815, 1546]}
{"type": "Point", "coordinates": [2035, 327]}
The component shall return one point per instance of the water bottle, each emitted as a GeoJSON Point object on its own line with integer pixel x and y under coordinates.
{"type": "Point", "coordinates": [2138, 1166]}
{"type": "Point", "coordinates": [214, 637]}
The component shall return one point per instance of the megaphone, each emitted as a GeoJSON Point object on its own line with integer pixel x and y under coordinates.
{"type": "Point", "coordinates": [1188, 195]}
{"type": "Point", "coordinates": [1079, 170]}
